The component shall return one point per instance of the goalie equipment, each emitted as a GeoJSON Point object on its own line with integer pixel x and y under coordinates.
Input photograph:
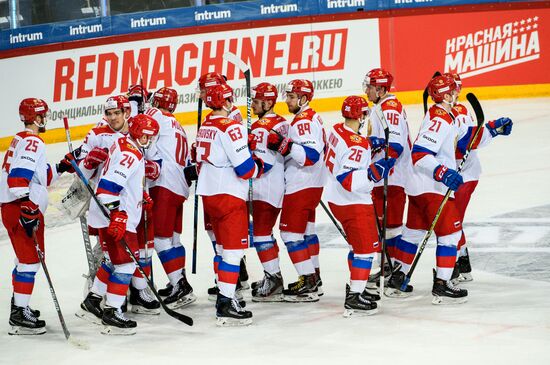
{"type": "Point", "coordinates": [76, 200]}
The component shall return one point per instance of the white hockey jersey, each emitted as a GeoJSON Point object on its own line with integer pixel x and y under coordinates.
{"type": "Point", "coordinates": [471, 171]}
{"type": "Point", "coordinates": [399, 138]}
{"type": "Point", "coordinates": [25, 170]}
{"type": "Point", "coordinates": [172, 148]}
{"type": "Point", "coordinates": [102, 137]}
{"type": "Point", "coordinates": [439, 136]}
{"type": "Point", "coordinates": [121, 179]}
{"type": "Point", "coordinates": [270, 187]}
{"type": "Point", "coordinates": [224, 158]}
{"type": "Point", "coordinates": [347, 159]}
{"type": "Point", "coordinates": [304, 165]}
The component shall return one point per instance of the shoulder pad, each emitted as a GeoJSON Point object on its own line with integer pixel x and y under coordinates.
{"type": "Point", "coordinates": [127, 146]}
{"type": "Point", "coordinates": [104, 129]}
{"type": "Point", "coordinates": [460, 109]}
{"type": "Point", "coordinates": [437, 112]}
{"type": "Point", "coordinates": [305, 115]}
{"type": "Point", "coordinates": [25, 134]}
{"type": "Point", "coordinates": [351, 139]}
{"type": "Point", "coordinates": [392, 104]}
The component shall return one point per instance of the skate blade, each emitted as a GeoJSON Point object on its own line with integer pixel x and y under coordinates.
{"type": "Point", "coordinates": [320, 291]}
{"type": "Point", "coordinates": [115, 331]}
{"type": "Point", "coordinates": [396, 293]}
{"type": "Point", "coordinates": [232, 322]}
{"type": "Point", "coordinates": [465, 277]}
{"type": "Point", "coordinates": [24, 331]}
{"type": "Point", "coordinates": [138, 309]}
{"type": "Point", "coordinates": [437, 300]}
{"type": "Point", "coordinates": [348, 313]}
{"type": "Point", "coordinates": [89, 317]}
{"type": "Point", "coordinates": [304, 298]}
{"type": "Point", "coordinates": [270, 299]}
{"type": "Point", "coordinates": [183, 302]}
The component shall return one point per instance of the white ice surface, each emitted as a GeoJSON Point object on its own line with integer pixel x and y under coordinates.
{"type": "Point", "coordinates": [506, 320]}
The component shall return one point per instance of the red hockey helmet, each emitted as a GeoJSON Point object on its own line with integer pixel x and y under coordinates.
{"type": "Point", "coordinates": [217, 95]}
{"type": "Point", "coordinates": [441, 85]}
{"type": "Point", "coordinates": [138, 90]}
{"type": "Point", "coordinates": [142, 125]}
{"type": "Point", "coordinates": [457, 79]}
{"type": "Point", "coordinates": [265, 91]}
{"type": "Point", "coordinates": [117, 102]}
{"type": "Point", "coordinates": [211, 79]}
{"type": "Point", "coordinates": [354, 107]}
{"type": "Point", "coordinates": [29, 108]}
{"type": "Point", "coordinates": [300, 87]}
{"type": "Point", "coordinates": [165, 98]}
{"type": "Point", "coordinates": [378, 77]}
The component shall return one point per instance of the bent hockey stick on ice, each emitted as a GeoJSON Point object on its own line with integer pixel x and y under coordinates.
{"type": "Point", "coordinates": [92, 267]}
{"type": "Point", "coordinates": [66, 332]}
{"type": "Point", "coordinates": [480, 119]}
{"type": "Point", "coordinates": [172, 313]}
{"type": "Point", "coordinates": [245, 69]}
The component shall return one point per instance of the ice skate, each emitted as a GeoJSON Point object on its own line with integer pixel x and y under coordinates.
{"type": "Point", "coordinates": [182, 295]}
{"type": "Point", "coordinates": [304, 290]}
{"type": "Point", "coordinates": [444, 292]}
{"type": "Point", "coordinates": [213, 293]}
{"type": "Point", "coordinates": [90, 309]}
{"type": "Point", "coordinates": [230, 313]}
{"type": "Point", "coordinates": [166, 291]}
{"type": "Point", "coordinates": [24, 322]}
{"type": "Point", "coordinates": [35, 312]}
{"type": "Point", "coordinates": [271, 289]}
{"type": "Point", "coordinates": [143, 302]}
{"type": "Point", "coordinates": [464, 268]}
{"type": "Point", "coordinates": [116, 323]}
{"type": "Point", "coordinates": [243, 274]}
{"type": "Point", "coordinates": [358, 305]}
{"type": "Point", "coordinates": [393, 289]}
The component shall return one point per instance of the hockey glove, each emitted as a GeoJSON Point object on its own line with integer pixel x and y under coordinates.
{"type": "Point", "coordinates": [191, 174]}
{"type": "Point", "coordinates": [95, 158]}
{"type": "Point", "coordinates": [29, 216]}
{"type": "Point", "coordinates": [259, 166]}
{"type": "Point", "coordinates": [449, 177]}
{"type": "Point", "coordinates": [377, 144]}
{"type": "Point", "coordinates": [65, 164]}
{"type": "Point", "coordinates": [117, 227]}
{"type": "Point", "coordinates": [380, 169]}
{"type": "Point", "coordinates": [252, 143]}
{"type": "Point", "coordinates": [152, 170]}
{"type": "Point", "coordinates": [276, 142]}
{"type": "Point", "coordinates": [147, 204]}
{"type": "Point", "coordinates": [500, 126]}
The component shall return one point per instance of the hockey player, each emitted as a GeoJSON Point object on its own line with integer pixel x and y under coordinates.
{"type": "Point", "coordinates": [169, 192]}
{"type": "Point", "coordinates": [225, 164]}
{"type": "Point", "coordinates": [348, 192]}
{"type": "Point", "coordinates": [24, 199]}
{"type": "Point", "coordinates": [120, 189]}
{"type": "Point", "coordinates": [268, 192]}
{"type": "Point", "coordinates": [207, 81]}
{"type": "Point", "coordinates": [303, 150]}
{"type": "Point", "coordinates": [377, 85]}
{"type": "Point", "coordinates": [433, 156]}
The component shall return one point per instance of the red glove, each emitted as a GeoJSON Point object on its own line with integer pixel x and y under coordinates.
{"type": "Point", "coordinates": [276, 142]}
{"type": "Point", "coordinates": [259, 164]}
{"type": "Point", "coordinates": [147, 204]}
{"type": "Point", "coordinates": [193, 152]}
{"type": "Point", "coordinates": [252, 143]}
{"type": "Point", "coordinates": [117, 227]}
{"type": "Point", "coordinates": [29, 216]}
{"type": "Point", "coordinates": [95, 158]}
{"type": "Point", "coordinates": [152, 170]}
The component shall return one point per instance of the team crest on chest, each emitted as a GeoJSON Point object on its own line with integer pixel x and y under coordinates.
{"type": "Point", "coordinates": [355, 138]}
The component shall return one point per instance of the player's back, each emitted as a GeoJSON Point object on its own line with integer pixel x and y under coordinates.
{"type": "Point", "coordinates": [306, 129]}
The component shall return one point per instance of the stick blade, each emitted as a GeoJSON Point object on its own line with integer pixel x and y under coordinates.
{"type": "Point", "coordinates": [232, 57]}
{"type": "Point", "coordinates": [478, 110]}
{"type": "Point", "coordinates": [180, 317]}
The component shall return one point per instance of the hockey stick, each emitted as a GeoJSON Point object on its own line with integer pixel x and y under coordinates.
{"type": "Point", "coordinates": [480, 119]}
{"type": "Point", "coordinates": [196, 202]}
{"type": "Point", "coordinates": [68, 336]}
{"type": "Point", "coordinates": [382, 118]}
{"type": "Point", "coordinates": [92, 267]}
{"type": "Point", "coordinates": [425, 94]}
{"type": "Point", "coordinates": [179, 316]}
{"type": "Point", "coordinates": [245, 69]}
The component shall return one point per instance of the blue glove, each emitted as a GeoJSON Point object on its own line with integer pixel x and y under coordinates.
{"type": "Point", "coordinates": [500, 126]}
{"type": "Point", "coordinates": [449, 177]}
{"type": "Point", "coordinates": [377, 143]}
{"type": "Point", "coordinates": [380, 169]}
